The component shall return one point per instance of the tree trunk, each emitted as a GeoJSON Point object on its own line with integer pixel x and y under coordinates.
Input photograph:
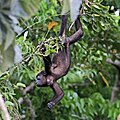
{"type": "Point", "coordinates": [116, 88]}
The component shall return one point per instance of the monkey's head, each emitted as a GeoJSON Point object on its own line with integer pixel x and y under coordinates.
{"type": "Point", "coordinates": [41, 79]}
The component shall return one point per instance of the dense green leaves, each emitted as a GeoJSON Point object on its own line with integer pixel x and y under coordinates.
{"type": "Point", "coordinates": [9, 12]}
{"type": "Point", "coordinates": [24, 9]}
{"type": "Point", "coordinates": [52, 45]}
{"type": "Point", "coordinates": [97, 17]}
{"type": "Point", "coordinates": [87, 94]}
{"type": "Point", "coordinates": [117, 2]}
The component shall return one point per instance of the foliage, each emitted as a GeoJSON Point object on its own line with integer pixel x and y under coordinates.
{"type": "Point", "coordinates": [10, 11]}
{"type": "Point", "coordinates": [114, 3]}
{"type": "Point", "coordinates": [88, 85]}
{"type": "Point", "coordinates": [7, 90]}
{"type": "Point", "coordinates": [52, 45]}
{"type": "Point", "coordinates": [90, 108]}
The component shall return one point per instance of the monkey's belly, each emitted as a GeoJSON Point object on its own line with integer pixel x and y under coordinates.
{"type": "Point", "coordinates": [60, 64]}
{"type": "Point", "coordinates": [61, 70]}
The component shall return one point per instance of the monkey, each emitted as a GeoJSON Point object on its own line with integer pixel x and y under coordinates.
{"type": "Point", "coordinates": [59, 65]}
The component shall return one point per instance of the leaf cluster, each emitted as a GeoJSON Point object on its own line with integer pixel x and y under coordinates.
{"type": "Point", "coordinates": [10, 12]}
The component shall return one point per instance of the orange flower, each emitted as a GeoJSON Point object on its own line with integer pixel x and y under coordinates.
{"type": "Point", "coordinates": [52, 24]}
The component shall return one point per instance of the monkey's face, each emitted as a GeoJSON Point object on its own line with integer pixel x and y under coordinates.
{"type": "Point", "coordinates": [41, 79]}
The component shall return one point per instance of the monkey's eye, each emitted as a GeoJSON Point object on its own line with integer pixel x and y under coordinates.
{"type": "Point", "coordinates": [44, 73]}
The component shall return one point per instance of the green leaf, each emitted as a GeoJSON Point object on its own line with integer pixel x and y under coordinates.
{"type": "Point", "coordinates": [21, 85]}
{"type": "Point", "coordinates": [8, 103]}
{"type": "Point", "coordinates": [95, 27]}
{"type": "Point", "coordinates": [25, 35]}
{"type": "Point", "coordinates": [18, 55]}
{"type": "Point", "coordinates": [30, 6]}
{"type": "Point", "coordinates": [10, 36]}
{"type": "Point", "coordinates": [117, 3]}
{"type": "Point", "coordinates": [66, 7]}
{"type": "Point", "coordinates": [9, 13]}
{"type": "Point", "coordinates": [96, 6]}
{"type": "Point", "coordinates": [7, 57]}
{"type": "Point", "coordinates": [98, 1]}
{"type": "Point", "coordinates": [1, 36]}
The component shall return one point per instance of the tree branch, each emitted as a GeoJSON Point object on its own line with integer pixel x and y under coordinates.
{"type": "Point", "coordinates": [116, 88]}
{"type": "Point", "coordinates": [115, 63]}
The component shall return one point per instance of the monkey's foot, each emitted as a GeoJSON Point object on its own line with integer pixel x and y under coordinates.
{"type": "Point", "coordinates": [50, 105]}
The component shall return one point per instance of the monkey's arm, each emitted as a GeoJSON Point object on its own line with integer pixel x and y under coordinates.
{"type": "Point", "coordinates": [58, 95]}
{"type": "Point", "coordinates": [48, 63]}
{"type": "Point", "coordinates": [46, 59]}
{"type": "Point", "coordinates": [77, 35]}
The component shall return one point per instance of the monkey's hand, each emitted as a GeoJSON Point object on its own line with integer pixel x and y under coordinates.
{"type": "Point", "coordinates": [62, 39]}
{"type": "Point", "coordinates": [42, 47]}
{"type": "Point", "coordinates": [66, 40]}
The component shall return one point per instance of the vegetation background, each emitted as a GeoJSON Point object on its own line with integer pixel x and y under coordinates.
{"type": "Point", "coordinates": [92, 85]}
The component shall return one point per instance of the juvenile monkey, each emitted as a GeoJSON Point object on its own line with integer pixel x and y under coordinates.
{"type": "Point", "coordinates": [60, 64]}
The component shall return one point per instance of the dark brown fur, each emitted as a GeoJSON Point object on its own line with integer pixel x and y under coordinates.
{"type": "Point", "coordinates": [60, 64]}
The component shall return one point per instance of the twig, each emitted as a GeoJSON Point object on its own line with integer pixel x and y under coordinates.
{"type": "Point", "coordinates": [28, 89]}
{"type": "Point", "coordinates": [78, 84]}
{"type": "Point", "coordinates": [25, 99]}
{"type": "Point", "coordinates": [36, 24]}
{"type": "Point", "coordinates": [115, 63]}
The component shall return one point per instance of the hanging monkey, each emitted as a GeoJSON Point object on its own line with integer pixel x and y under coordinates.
{"type": "Point", "coordinates": [60, 64]}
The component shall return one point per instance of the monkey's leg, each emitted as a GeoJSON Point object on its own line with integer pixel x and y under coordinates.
{"type": "Point", "coordinates": [58, 95]}
{"type": "Point", "coordinates": [77, 35]}
{"type": "Point", "coordinates": [63, 25]}
{"type": "Point", "coordinates": [78, 24]}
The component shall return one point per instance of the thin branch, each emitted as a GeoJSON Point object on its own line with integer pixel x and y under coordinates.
{"type": "Point", "coordinates": [28, 89]}
{"type": "Point", "coordinates": [78, 84]}
{"type": "Point", "coordinates": [36, 24]}
{"type": "Point", "coordinates": [115, 63]}
{"type": "Point", "coordinates": [25, 99]}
